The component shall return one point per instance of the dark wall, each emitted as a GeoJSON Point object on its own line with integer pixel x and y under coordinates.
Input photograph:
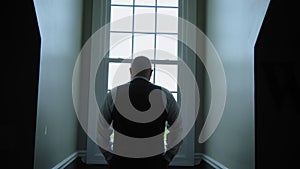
{"type": "Point", "coordinates": [20, 51]}
{"type": "Point", "coordinates": [277, 89]}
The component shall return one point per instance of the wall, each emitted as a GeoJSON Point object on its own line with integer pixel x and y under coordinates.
{"type": "Point", "coordinates": [56, 132]}
{"type": "Point", "coordinates": [277, 88]}
{"type": "Point", "coordinates": [19, 82]}
{"type": "Point", "coordinates": [233, 26]}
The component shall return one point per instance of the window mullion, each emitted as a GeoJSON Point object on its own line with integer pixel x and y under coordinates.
{"type": "Point", "coordinates": [132, 40]}
{"type": "Point", "coordinates": [155, 36]}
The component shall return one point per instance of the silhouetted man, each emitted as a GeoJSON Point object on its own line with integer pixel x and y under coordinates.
{"type": "Point", "coordinates": [137, 114]}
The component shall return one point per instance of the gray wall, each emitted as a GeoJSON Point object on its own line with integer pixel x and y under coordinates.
{"type": "Point", "coordinates": [56, 134]}
{"type": "Point", "coordinates": [232, 26]}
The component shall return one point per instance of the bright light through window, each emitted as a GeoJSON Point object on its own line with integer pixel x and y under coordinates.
{"type": "Point", "coordinates": [144, 32]}
{"type": "Point", "coordinates": [120, 45]}
{"type": "Point", "coordinates": [144, 19]}
{"type": "Point", "coordinates": [122, 2]}
{"type": "Point", "coordinates": [145, 2]}
{"type": "Point", "coordinates": [115, 70]}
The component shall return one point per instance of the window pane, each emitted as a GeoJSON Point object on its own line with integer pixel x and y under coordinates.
{"type": "Point", "coordinates": [119, 13]}
{"type": "Point", "coordinates": [152, 77]}
{"type": "Point", "coordinates": [166, 76]}
{"type": "Point", "coordinates": [144, 45]}
{"type": "Point", "coordinates": [118, 74]}
{"type": "Point", "coordinates": [175, 96]}
{"type": "Point", "coordinates": [120, 45]}
{"type": "Point", "coordinates": [167, 3]}
{"type": "Point", "coordinates": [122, 2]}
{"type": "Point", "coordinates": [166, 46]}
{"type": "Point", "coordinates": [167, 23]}
{"type": "Point", "coordinates": [145, 2]}
{"type": "Point", "coordinates": [144, 19]}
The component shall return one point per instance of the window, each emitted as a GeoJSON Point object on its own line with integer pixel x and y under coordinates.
{"type": "Point", "coordinates": [150, 36]}
{"type": "Point", "coordinates": [143, 33]}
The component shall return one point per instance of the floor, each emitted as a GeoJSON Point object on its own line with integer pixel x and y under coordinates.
{"type": "Point", "coordinates": [78, 164]}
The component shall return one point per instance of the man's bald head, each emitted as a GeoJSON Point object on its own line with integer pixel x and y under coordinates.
{"type": "Point", "coordinates": [141, 66]}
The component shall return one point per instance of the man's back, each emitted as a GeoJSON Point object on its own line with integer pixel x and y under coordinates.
{"type": "Point", "coordinates": [139, 91]}
{"type": "Point", "coordinates": [139, 112]}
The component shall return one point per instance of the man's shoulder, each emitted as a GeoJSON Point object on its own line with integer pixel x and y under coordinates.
{"type": "Point", "coordinates": [153, 86]}
{"type": "Point", "coordinates": [165, 90]}
{"type": "Point", "coordinates": [121, 86]}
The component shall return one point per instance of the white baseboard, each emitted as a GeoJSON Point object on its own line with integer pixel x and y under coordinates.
{"type": "Point", "coordinates": [198, 158]}
{"type": "Point", "coordinates": [64, 163]}
{"type": "Point", "coordinates": [81, 153]}
{"type": "Point", "coordinates": [210, 161]}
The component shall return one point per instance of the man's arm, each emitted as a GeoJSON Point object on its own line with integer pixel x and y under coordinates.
{"type": "Point", "coordinates": [175, 128]}
{"type": "Point", "coordinates": [104, 128]}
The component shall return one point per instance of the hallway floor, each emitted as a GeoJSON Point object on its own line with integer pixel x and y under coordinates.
{"type": "Point", "coordinates": [78, 164]}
